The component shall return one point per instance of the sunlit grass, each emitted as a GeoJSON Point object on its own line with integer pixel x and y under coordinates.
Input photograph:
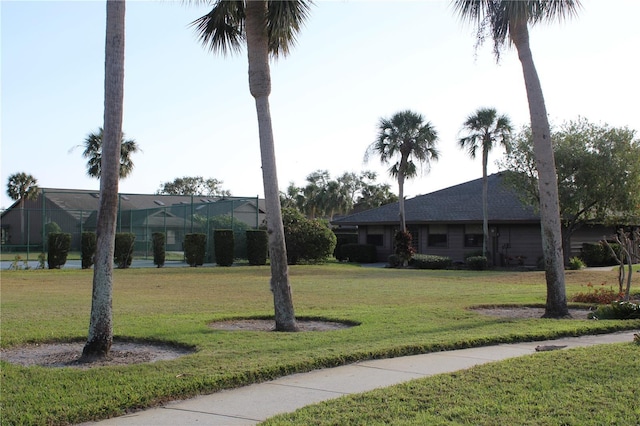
{"type": "Point", "coordinates": [400, 312]}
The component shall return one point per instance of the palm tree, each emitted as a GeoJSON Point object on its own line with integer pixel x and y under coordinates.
{"type": "Point", "coordinates": [21, 186]}
{"type": "Point", "coordinates": [507, 22]}
{"type": "Point", "coordinates": [406, 135]}
{"type": "Point", "coordinates": [93, 152]}
{"type": "Point", "coordinates": [484, 130]}
{"type": "Point", "coordinates": [269, 28]}
{"type": "Point", "coordinates": [101, 326]}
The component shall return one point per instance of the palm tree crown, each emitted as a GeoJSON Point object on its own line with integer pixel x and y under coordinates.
{"type": "Point", "coordinates": [93, 153]}
{"type": "Point", "coordinates": [22, 186]}
{"type": "Point", "coordinates": [485, 128]}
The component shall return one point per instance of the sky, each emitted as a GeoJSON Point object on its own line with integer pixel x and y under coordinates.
{"type": "Point", "coordinates": [355, 62]}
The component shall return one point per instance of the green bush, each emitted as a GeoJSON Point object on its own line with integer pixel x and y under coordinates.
{"type": "Point", "coordinates": [123, 251]}
{"type": "Point", "coordinates": [394, 261]}
{"type": "Point", "coordinates": [617, 310]}
{"type": "Point", "coordinates": [306, 239]}
{"type": "Point", "coordinates": [477, 263]}
{"type": "Point", "coordinates": [239, 228]}
{"type": "Point", "coordinates": [159, 253]}
{"type": "Point", "coordinates": [359, 253]}
{"type": "Point", "coordinates": [195, 246]}
{"type": "Point", "coordinates": [575, 264]}
{"type": "Point", "coordinates": [223, 243]}
{"type": "Point", "coordinates": [403, 246]}
{"type": "Point", "coordinates": [426, 261]}
{"type": "Point", "coordinates": [598, 254]}
{"type": "Point", "coordinates": [88, 246]}
{"type": "Point", "coordinates": [257, 246]}
{"type": "Point", "coordinates": [52, 228]}
{"type": "Point", "coordinates": [341, 240]}
{"type": "Point", "coordinates": [59, 244]}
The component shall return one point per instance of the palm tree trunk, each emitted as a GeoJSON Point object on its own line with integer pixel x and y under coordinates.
{"type": "Point", "coordinates": [556, 306]}
{"type": "Point", "coordinates": [101, 325]}
{"type": "Point", "coordinates": [260, 87]}
{"type": "Point", "coordinates": [485, 194]}
{"type": "Point", "coordinates": [401, 177]}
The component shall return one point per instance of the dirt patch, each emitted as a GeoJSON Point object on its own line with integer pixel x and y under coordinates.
{"type": "Point", "coordinates": [68, 354]}
{"type": "Point", "coordinates": [528, 312]}
{"type": "Point", "coordinates": [269, 325]}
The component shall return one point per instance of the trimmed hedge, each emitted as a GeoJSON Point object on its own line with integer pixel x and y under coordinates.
{"type": "Point", "coordinates": [88, 245]}
{"type": "Point", "coordinates": [425, 261]}
{"type": "Point", "coordinates": [195, 246]}
{"type": "Point", "coordinates": [123, 251]}
{"type": "Point", "coordinates": [477, 263]}
{"type": "Point", "coordinates": [359, 253]}
{"type": "Point", "coordinates": [159, 253]}
{"type": "Point", "coordinates": [59, 245]}
{"type": "Point", "coordinates": [341, 240]}
{"type": "Point", "coordinates": [257, 246]}
{"type": "Point", "coordinates": [223, 243]}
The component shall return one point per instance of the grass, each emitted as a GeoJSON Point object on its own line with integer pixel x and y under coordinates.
{"type": "Point", "coordinates": [586, 386]}
{"type": "Point", "coordinates": [400, 312]}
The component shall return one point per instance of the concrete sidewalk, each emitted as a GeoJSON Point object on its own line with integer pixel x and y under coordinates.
{"type": "Point", "coordinates": [252, 404]}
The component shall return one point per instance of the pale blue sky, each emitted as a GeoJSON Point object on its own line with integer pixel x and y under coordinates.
{"type": "Point", "coordinates": [355, 61]}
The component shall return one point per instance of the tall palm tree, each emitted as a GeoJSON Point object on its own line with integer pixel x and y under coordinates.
{"type": "Point", "coordinates": [93, 153]}
{"type": "Point", "coordinates": [21, 186]}
{"type": "Point", "coordinates": [508, 22]}
{"type": "Point", "coordinates": [485, 128]}
{"type": "Point", "coordinates": [407, 136]}
{"type": "Point", "coordinates": [101, 325]}
{"type": "Point", "coordinates": [269, 28]}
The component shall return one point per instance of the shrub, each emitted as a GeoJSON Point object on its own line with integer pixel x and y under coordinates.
{"type": "Point", "coordinates": [306, 239]}
{"type": "Point", "coordinates": [342, 240]}
{"type": "Point", "coordinates": [59, 245]}
{"type": "Point", "coordinates": [359, 253]}
{"type": "Point", "coordinates": [575, 264]}
{"type": "Point", "coordinates": [123, 251]}
{"type": "Point", "coordinates": [403, 246]}
{"type": "Point", "coordinates": [239, 228]}
{"type": "Point", "coordinates": [617, 310]}
{"type": "Point", "coordinates": [88, 246]}
{"type": "Point", "coordinates": [477, 263]}
{"type": "Point", "coordinates": [223, 244]}
{"type": "Point", "coordinates": [195, 246]}
{"type": "Point", "coordinates": [159, 253]}
{"type": "Point", "coordinates": [52, 228]}
{"type": "Point", "coordinates": [257, 246]}
{"type": "Point", "coordinates": [425, 261]}
{"type": "Point", "coordinates": [394, 261]}
{"type": "Point", "coordinates": [600, 296]}
{"type": "Point", "coordinates": [598, 254]}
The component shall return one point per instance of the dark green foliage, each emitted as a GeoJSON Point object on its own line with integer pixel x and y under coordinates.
{"type": "Point", "coordinates": [306, 239]}
{"type": "Point", "coordinates": [257, 246]}
{"type": "Point", "coordinates": [59, 245]}
{"type": "Point", "coordinates": [52, 228]}
{"type": "Point", "coordinates": [88, 248]}
{"type": "Point", "coordinates": [341, 240]}
{"type": "Point", "coordinates": [425, 261]}
{"type": "Point", "coordinates": [123, 251]}
{"type": "Point", "coordinates": [223, 242]}
{"type": "Point", "coordinates": [598, 254]}
{"type": "Point", "coordinates": [158, 248]}
{"type": "Point", "coordinates": [394, 261]}
{"type": "Point", "coordinates": [239, 234]}
{"type": "Point", "coordinates": [477, 263]}
{"type": "Point", "coordinates": [403, 246]}
{"type": "Point", "coordinates": [359, 253]}
{"type": "Point", "coordinates": [618, 310]}
{"type": "Point", "coordinates": [195, 246]}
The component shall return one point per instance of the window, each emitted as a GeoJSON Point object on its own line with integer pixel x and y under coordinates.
{"type": "Point", "coordinates": [375, 239]}
{"type": "Point", "coordinates": [437, 236]}
{"type": "Point", "coordinates": [473, 236]}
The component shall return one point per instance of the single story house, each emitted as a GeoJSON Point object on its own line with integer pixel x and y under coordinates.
{"type": "Point", "coordinates": [75, 211]}
{"type": "Point", "coordinates": [449, 222]}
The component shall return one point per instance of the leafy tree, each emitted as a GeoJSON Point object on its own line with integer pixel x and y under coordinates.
{"type": "Point", "coordinates": [307, 239]}
{"type": "Point", "coordinates": [506, 22]}
{"type": "Point", "coordinates": [407, 136]}
{"type": "Point", "coordinates": [21, 187]}
{"type": "Point", "coordinates": [194, 186]}
{"type": "Point", "coordinates": [598, 173]}
{"type": "Point", "coordinates": [269, 28]}
{"type": "Point", "coordinates": [93, 153]}
{"type": "Point", "coordinates": [373, 195]}
{"type": "Point", "coordinates": [484, 129]}
{"type": "Point", "coordinates": [101, 323]}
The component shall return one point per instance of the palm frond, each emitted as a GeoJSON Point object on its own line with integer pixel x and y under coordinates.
{"type": "Point", "coordinates": [222, 29]}
{"type": "Point", "coordinates": [284, 21]}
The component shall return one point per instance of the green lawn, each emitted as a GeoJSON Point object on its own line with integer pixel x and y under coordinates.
{"type": "Point", "coordinates": [400, 312]}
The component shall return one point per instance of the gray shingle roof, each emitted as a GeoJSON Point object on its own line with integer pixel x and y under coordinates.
{"type": "Point", "coordinates": [456, 204]}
